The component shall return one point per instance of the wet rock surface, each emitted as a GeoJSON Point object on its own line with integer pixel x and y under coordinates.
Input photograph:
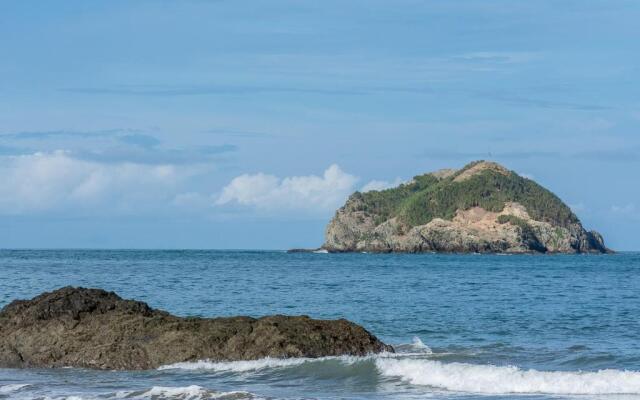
{"type": "Point", "coordinates": [93, 328]}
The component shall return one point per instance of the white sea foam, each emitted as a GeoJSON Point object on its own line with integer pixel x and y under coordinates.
{"type": "Point", "coordinates": [415, 348]}
{"type": "Point", "coordinates": [186, 392]}
{"type": "Point", "coordinates": [238, 366]}
{"type": "Point", "coordinates": [488, 379]}
{"type": "Point", "coordinates": [192, 392]}
{"type": "Point", "coordinates": [268, 363]}
{"type": "Point", "coordinates": [6, 389]}
{"type": "Point", "coordinates": [419, 368]}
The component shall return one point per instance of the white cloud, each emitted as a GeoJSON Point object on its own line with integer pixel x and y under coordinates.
{"type": "Point", "coordinates": [311, 192]}
{"type": "Point", "coordinates": [629, 209]}
{"type": "Point", "coordinates": [56, 180]}
{"type": "Point", "coordinates": [381, 185]}
{"type": "Point", "coordinates": [58, 183]}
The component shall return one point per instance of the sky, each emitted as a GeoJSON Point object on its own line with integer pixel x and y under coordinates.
{"type": "Point", "coordinates": [245, 124]}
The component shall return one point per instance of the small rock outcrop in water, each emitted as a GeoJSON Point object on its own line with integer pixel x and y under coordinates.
{"type": "Point", "coordinates": [92, 328]}
{"type": "Point", "coordinates": [482, 207]}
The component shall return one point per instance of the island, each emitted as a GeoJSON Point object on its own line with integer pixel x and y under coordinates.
{"type": "Point", "coordinates": [93, 328]}
{"type": "Point", "coordinates": [480, 208]}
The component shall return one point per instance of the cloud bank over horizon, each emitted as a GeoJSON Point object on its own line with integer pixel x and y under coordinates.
{"type": "Point", "coordinates": [56, 182]}
{"type": "Point", "coordinates": [62, 183]}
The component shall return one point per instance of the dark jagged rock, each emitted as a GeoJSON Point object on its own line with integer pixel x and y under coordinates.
{"type": "Point", "coordinates": [481, 208]}
{"type": "Point", "coordinates": [293, 251]}
{"type": "Point", "coordinates": [92, 328]}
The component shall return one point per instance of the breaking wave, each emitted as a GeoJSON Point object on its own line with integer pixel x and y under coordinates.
{"type": "Point", "coordinates": [6, 389]}
{"type": "Point", "coordinates": [415, 348]}
{"type": "Point", "coordinates": [489, 379]}
{"type": "Point", "coordinates": [420, 369]}
{"type": "Point", "coordinates": [193, 392]}
{"type": "Point", "coordinates": [267, 363]}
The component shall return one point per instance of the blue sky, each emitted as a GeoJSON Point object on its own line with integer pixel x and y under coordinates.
{"type": "Point", "coordinates": [243, 124]}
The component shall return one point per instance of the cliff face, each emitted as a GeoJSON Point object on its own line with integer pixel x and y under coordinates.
{"type": "Point", "coordinates": [482, 207]}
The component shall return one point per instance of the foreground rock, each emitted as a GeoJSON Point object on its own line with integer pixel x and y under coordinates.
{"type": "Point", "coordinates": [92, 328]}
{"type": "Point", "coordinates": [482, 207]}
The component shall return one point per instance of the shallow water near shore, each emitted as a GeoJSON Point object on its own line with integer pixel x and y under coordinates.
{"type": "Point", "coordinates": [465, 326]}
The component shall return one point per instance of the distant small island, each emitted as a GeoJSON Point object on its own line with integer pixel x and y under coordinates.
{"type": "Point", "coordinates": [480, 208]}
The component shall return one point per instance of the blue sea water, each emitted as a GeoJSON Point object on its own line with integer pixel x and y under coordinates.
{"type": "Point", "coordinates": [465, 326]}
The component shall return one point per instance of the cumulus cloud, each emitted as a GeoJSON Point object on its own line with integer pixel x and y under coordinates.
{"type": "Point", "coordinates": [381, 185]}
{"type": "Point", "coordinates": [60, 183]}
{"type": "Point", "coordinates": [629, 210]}
{"type": "Point", "coordinates": [55, 181]}
{"type": "Point", "coordinates": [311, 192]}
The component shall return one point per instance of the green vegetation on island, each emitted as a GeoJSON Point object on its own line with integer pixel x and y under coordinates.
{"type": "Point", "coordinates": [427, 197]}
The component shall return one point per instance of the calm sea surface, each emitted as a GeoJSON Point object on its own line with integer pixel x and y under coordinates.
{"type": "Point", "coordinates": [466, 326]}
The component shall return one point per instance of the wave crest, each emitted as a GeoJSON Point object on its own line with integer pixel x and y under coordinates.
{"type": "Point", "coordinates": [192, 392]}
{"type": "Point", "coordinates": [489, 379]}
{"type": "Point", "coordinates": [268, 363]}
{"type": "Point", "coordinates": [6, 389]}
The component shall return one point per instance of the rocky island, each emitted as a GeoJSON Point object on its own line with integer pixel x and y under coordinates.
{"type": "Point", "coordinates": [93, 328]}
{"type": "Point", "coordinates": [481, 208]}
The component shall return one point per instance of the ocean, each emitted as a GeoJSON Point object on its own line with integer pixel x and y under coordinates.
{"type": "Point", "coordinates": [464, 326]}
